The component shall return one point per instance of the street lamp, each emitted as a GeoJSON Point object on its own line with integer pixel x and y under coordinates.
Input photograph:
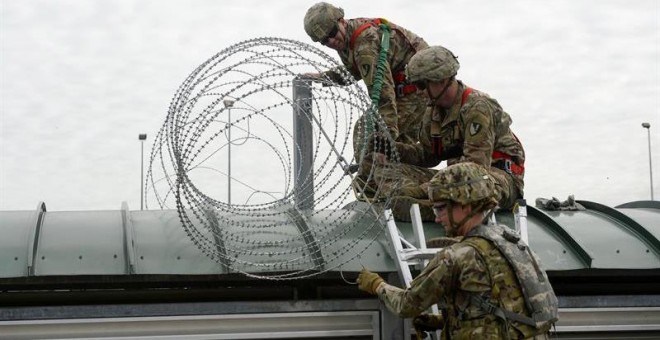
{"type": "Point", "coordinates": [228, 104]}
{"type": "Point", "coordinates": [142, 137]}
{"type": "Point", "coordinates": [647, 126]}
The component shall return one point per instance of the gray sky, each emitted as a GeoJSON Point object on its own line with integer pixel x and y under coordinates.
{"type": "Point", "coordinates": [81, 79]}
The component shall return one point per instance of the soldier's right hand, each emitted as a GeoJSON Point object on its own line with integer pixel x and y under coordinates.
{"type": "Point", "coordinates": [312, 76]}
{"type": "Point", "coordinates": [428, 322]}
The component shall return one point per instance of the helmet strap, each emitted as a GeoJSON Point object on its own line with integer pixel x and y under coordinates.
{"type": "Point", "coordinates": [341, 26]}
{"type": "Point", "coordinates": [488, 214]}
{"type": "Point", "coordinates": [455, 227]}
{"type": "Point", "coordinates": [434, 100]}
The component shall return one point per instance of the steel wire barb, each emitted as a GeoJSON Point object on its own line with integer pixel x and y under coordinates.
{"type": "Point", "coordinates": [282, 224]}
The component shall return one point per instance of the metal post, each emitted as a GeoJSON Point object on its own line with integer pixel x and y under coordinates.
{"type": "Point", "coordinates": [303, 155]}
{"type": "Point", "coordinates": [647, 126]}
{"type": "Point", "coordinates": [142, 137]}
{"type": "Point", "coordinates": [228, 104]}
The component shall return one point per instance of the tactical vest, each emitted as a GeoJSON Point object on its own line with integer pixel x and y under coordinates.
{"type": "Point", "coordinates": [539, 296]}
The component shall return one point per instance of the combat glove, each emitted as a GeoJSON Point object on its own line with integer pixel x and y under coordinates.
{"type": "Point", "coordinates": [424, 323]}
{"type": "Point", "coordinates": [368, 281]}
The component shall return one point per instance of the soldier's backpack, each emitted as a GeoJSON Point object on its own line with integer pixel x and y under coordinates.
{"type": "Point", "coordinates": [539, 296]}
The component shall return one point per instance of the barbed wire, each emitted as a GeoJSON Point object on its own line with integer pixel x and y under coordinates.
{"type": "Point", "coordinates": [234, 114]}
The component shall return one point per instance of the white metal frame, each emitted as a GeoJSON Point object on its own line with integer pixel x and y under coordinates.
{"type": "Point", "coordinates": [415, 253]}
{"type": "Point", "coordinates": [231, 326]}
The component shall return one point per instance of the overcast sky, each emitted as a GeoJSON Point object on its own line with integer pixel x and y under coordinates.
{"type": "Point", "coordinates": [81, 79]}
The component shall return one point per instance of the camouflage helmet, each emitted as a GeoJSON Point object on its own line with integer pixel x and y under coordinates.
{"type": "Point", "coordinates": [321, 19]}
{"type": "Point", "coordinates": [462, 183]}
{"type": "Point", "coordinates": [434, 63]}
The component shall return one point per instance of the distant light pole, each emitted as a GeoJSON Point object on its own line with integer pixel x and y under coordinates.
{"type": "Point", "coordinates": [647, 126]}
{"type": "Point", "coordinates": [142, 137]}
{"type": "Point", "coordinates": [228, 104]}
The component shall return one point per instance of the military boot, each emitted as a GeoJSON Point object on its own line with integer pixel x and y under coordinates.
{"type": "Point", "coordinates": [400, 206]}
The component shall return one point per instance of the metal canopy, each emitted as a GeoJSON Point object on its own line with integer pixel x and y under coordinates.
{"type": "Point", "coordinates": [124, 242]}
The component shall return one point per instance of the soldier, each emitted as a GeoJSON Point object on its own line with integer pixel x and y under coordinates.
{"type": "Point", "coordinates": [358, 43]}
{"type": "Point", "coordinates": [464, 125]}
{"type": "Point", "coordinates": [489, 284]}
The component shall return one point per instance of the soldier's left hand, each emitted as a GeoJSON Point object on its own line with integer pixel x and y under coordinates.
{"type": "Point", "coordinates": [368, 281]}
{"type": "Point", "coordinates": [379, 158]}
{"type": "Point", "coordinates": [311, 76]}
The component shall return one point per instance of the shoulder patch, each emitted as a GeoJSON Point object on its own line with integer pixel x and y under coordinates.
{"type": "Point", "coordinates": [366, 65]}
{"type": "Point", "coordinates": [365, 69]}
{"type": "Point", "coordinates": [475, 127]}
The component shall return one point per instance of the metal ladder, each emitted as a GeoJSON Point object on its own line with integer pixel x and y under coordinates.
{"type": "Point", "coordinates": [416, 254]}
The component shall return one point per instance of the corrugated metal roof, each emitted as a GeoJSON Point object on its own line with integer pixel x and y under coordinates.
{"type": "Point", "coordinates": [124, 242]}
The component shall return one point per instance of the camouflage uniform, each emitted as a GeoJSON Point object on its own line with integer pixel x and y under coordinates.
{"type": "Point", "coordinates": [473, 272]}
{"type": "Point", "coordinates": [449, 280]}
{"type": "Point", "coordinates": [402, 114]}
{"type": "Point", "coordinates": [474, 129]}
{"type": "Point", "coordinates": [404, 185]}
{"type": "Point", "coordinates": [470, 132]}
{"type": "Point", "coordinates": [401, 111]}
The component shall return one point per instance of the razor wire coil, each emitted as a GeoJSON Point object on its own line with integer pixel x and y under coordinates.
{"type": "Point", "coordinates": [286, 224]}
